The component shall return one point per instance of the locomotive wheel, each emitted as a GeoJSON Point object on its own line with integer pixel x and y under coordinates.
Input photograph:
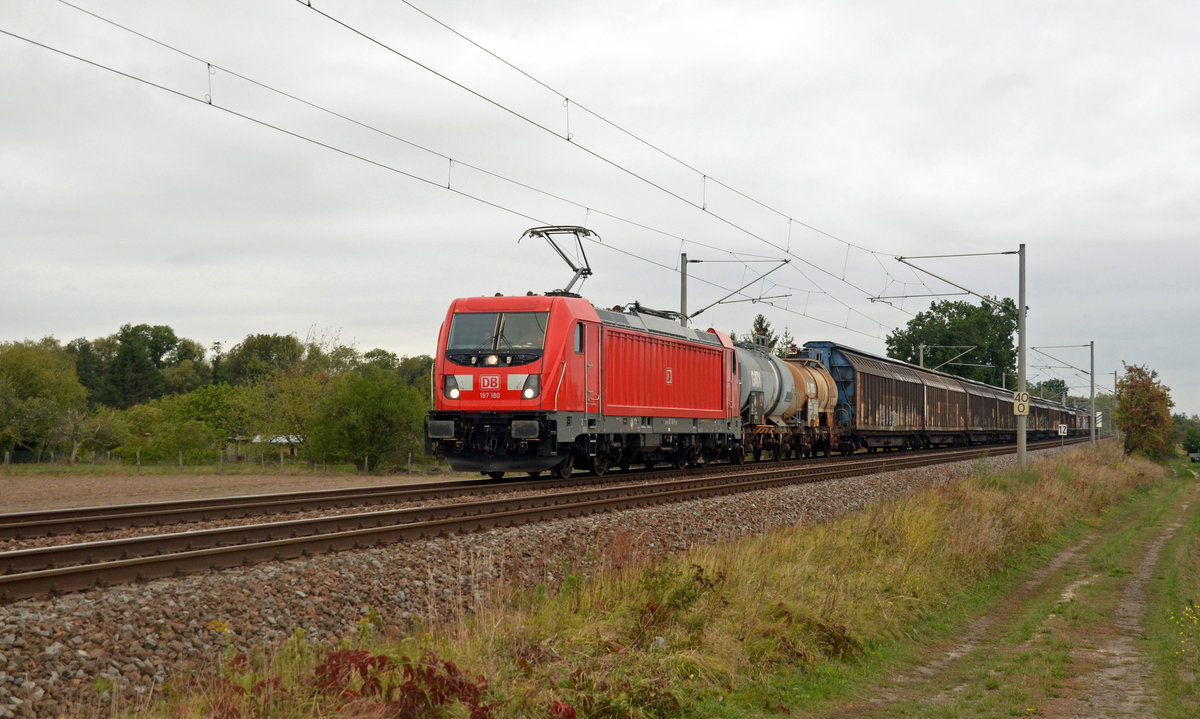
{"type": "Point", "coordinates": [564, 469]}
{"type": "Point", "coordinates": [737, 455]}
{"type": "Point", "coordinates": [758, 454]}
{"type": "Point", "coordinates": [600, 465]}
{"type": "Point", "coordinates": [679, 461]}
{"type": "Point", "coordinates": [649, 463]}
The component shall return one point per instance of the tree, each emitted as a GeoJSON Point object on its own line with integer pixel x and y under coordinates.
{"type": "Point", "coordinates": [258, 356]}
{"type": "Point", "coordinates": [134, 374]}
{"type": "Point", "coordinates": [381, 358]}
{"type": "Point", "coordinates": [38, 385]}
{"type": "Point", "coordinates": [71, 429]}
{"type": "Point", "coordinates": [138, 363]}
{"type": "Point", "coordinates": [371, 414]}
{"type": "Point", "coordinates": [1144, 413]}
{"type": "Point", "coordinates": [219, 372]}
{"type": "Point", "coordinates": [988, 328]}
{"type": "Point", "coordinates": [760, 328]}
{"type": "Point", "coordinates": [222, 407]}
{"type": "Point", "coordinates": [105, 430]}
{"type": "Point", "coordinates": [417, 372]}
{"type": "Point", "coordinates": [91, 359]}
{"type": "Point", "coordinates": [186, 376]}
{"type": "Point", "coordinates": [786, 343]}
{"type": "Point", "coordinates": [1188, 432]}
{"type": "Point", "coordinates": [1054, 389]}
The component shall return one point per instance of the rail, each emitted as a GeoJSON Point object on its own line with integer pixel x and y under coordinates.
{"type": "Point", "coordinates": [65, 568]}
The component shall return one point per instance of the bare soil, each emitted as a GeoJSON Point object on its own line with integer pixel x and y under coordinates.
{"type": "Point", "coordinates": [27, 493]}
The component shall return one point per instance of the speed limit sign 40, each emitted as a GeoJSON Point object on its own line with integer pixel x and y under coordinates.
{"type": "Point", "coordinates": [1021, 404]}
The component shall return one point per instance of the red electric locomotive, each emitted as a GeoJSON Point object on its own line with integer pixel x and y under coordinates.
{"type": "Point", "coordinates": [549, 382]}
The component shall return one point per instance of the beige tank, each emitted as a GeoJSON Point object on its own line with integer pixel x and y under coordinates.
{"type": "Point", "coordinates": [816, 392]}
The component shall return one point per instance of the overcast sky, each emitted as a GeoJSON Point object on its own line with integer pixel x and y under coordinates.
{"type": "Point", "coordinates": [848, 132]}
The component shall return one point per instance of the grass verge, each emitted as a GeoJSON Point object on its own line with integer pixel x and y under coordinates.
{"type": "Point", "coordinates": [1173, 616]}
{"type": "Point", "coordinates": [766, 626]}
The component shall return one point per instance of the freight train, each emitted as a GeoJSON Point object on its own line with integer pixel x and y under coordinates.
{"type": "Point", "coordinates": [551, 383]}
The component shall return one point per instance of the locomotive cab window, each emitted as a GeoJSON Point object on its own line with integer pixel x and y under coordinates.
{"type": "Point", "coordinates": [496, 337]}
{"type": "Point", "coordinates": [578, 338]}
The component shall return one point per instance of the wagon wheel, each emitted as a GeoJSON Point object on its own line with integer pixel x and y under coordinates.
{"type": "Point", "coordinates": [649, 463]}
{"type": "Point", "coordinates": [538, 473]}
{"type": "Point", "coordinates": [564, 469]}
{"type": "Point", "coordinates": [496, 475]}
{"type": "Point", "coordinates": [600, 465]}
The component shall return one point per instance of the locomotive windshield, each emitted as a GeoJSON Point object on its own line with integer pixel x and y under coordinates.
{"type": "Point", "coordinates": [497, 332]}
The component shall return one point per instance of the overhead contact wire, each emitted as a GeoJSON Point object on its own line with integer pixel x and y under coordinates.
{"type": "Point", "coordinates": [308, 4]}
{"type": "Point", "coordinates": [341, 151]}
{"type": "Point", "coordinates": [208, 100]}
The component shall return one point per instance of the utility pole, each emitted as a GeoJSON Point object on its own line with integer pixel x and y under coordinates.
{"type": "Point", "coordinates": [1093, 348]}
{"type": "Point", "coordinates": [1022, 420]}
{"type": "Point", "coordinates": [683, 289]}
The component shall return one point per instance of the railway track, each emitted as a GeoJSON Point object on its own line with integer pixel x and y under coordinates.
{"type": "Point", "coordinates": [72, 567]}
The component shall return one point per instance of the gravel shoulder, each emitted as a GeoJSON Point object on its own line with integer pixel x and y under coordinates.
{"type": "Point", "coordinates": [85, 654]}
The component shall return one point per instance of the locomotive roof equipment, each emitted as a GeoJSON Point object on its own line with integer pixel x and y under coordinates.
{"type": "Point", "coordinates": [548, 233]}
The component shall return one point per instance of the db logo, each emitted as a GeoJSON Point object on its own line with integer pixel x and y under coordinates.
{"type": "Point", "coordinates": [489, 381]}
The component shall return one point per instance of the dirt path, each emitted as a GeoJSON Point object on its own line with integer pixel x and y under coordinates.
{"type": "Point", "coordinates": [1064, 644]}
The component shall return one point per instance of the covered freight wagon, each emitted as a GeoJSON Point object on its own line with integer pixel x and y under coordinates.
{"type": "Point", "coordinates": [881, 402]}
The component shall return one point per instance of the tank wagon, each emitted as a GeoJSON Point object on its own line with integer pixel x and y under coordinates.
{"type": "Point", "coordinates": [885, 403]}
{"type": "Point", "coordinates": [786, 403]}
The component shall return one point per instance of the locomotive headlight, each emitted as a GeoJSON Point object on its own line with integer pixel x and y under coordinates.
{"type": "Point", "coordinates": [450, 387]}
{"type": "Point", "coordinates": [533, 386]}
{"type": "Point", "coordinates": [492, 360]}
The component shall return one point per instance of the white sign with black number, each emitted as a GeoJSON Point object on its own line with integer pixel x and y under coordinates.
{"type": "Point", "coordinates": [1021, 404]}
{"type": "Point", "coordinates": [1062, 430]}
